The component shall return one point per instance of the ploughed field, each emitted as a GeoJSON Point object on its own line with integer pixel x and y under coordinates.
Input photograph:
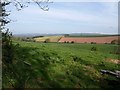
{"type": "Point", "coordinates": [104, 39]}
{"type": "Point", "coordinates": [63, 65]}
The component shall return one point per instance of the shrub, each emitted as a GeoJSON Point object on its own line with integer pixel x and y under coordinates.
{"type": "Point", "coordinates": [72, 42]}
{"type": "Point", "coordinates": [93, 42]}
{"type": "Point", "coordinates": [114, 42]}
{"type": "Point", "coordinates": [93, 49]}
{"type": "Point", "coordinates": [7, 47]}
{"type": "Point", "coordinates": [47, 40]}
{"type": "Point", "coordinates": [76, 58]}
{"type": "Point", "coordinates": [28, 38]}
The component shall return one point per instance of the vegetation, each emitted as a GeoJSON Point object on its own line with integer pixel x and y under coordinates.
{"type": "Point", "coordinates": [51, 65]}
{"type": "Point", "coordinates": [39, 65]}
{"type": "Point", "coordinates": [90, 35]}
{"type": "Point", "coordinates": [37, 36]}
{"type": "Point", "coordinates": [72, 42]}
{"type": "Point", "coordinates": [93, 42]}
{"type": "Point", "coordinates": [47, 40]}
{"type": "Point", "coordinates": [115, 42]}
{"type": "Point", "coordinates": [93, 49]}
{"type": "Point", "coordinates": [10, 64]}
{"type": "Point", "coordinates": [28, 39]}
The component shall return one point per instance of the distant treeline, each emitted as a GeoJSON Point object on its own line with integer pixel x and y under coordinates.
{"type": "Point", "coordinates": [69, 35]}
{"type": "Point", "coordinates": [37, 36]}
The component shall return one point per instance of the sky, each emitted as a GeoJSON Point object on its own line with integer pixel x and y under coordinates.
{"type": "Point", "coordinates": [66, 17]}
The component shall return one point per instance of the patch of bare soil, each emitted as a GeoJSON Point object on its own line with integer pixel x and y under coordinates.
{"type": "Point", "coordinates": [92, 71]}
{"type": "Point", "coordinates": [89, 39]}
{"type": "Point", "coordinates": [115, 61]}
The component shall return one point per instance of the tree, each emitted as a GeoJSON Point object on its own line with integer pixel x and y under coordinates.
{"type": "Point", "coordinates": [8, 48]}
{"type": "Point", "coordinates": [66, 35]}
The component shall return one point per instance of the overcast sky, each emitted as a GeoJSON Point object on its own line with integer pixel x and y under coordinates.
{"type": "Point", "coordinates": [66, 17]}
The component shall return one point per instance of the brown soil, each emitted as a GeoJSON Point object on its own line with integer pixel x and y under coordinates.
{"type": "Point", "coordinates": [89, 39]}
{"type": "Point", "coordinates": [116, 61]}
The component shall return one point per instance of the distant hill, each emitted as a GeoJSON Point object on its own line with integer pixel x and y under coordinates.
{"type": "Point", "coordinates": [90, 35]}
{"type": "Point", "coordinates": [36, 35]}
{"type": "Point", "coordinates": [66, 35]}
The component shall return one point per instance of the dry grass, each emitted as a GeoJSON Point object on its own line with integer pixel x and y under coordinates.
{"type": "Point", "coordinates": [51, 38]}
{"type": "Point", "coordinates": [115, 61]}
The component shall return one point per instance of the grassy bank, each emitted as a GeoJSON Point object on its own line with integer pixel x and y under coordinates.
{"type": "Point", "coordinates": [64, 65]}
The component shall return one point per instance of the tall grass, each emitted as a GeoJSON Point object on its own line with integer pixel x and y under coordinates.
{"type": "Point", "coordinates": [62, 65]}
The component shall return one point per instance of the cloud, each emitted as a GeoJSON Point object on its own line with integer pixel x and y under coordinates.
{"type": "Point", "coordinates": [107, 17]}
{"type": "Point", "coordinates": [65, 1]}
{"type": "Point", "coordinates": [99, 15]}
{"type": "Point", "coordinates": [85, 0]}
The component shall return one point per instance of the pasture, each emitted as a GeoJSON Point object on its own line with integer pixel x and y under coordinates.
{"type": "Point", "coordinates": [65, 65]}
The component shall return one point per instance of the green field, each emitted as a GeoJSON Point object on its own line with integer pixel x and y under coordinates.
{"type": "Point", "coordinates": [64, 65]}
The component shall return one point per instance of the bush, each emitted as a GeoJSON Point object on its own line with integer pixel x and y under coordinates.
{"type": "Point", "coordinates": [7, 47]}
{"type": "Point", "coordinates": [93, 42]}
{"type": "Point", "coordinates": [47, 40]}
{"type": "Point", "coordinates": [114, 42]}
{"type": "Point", "coordinates": [72, 42]}
{"type": "Point", "coordinates": [93, 49]}
{"type": "Point", "coordinates": [28, 40]}
{"type": "Point", "coordinates": [75, 58]}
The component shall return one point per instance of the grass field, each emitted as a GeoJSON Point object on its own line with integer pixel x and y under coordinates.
{"type": "Point", "coordinates": [62, 65]}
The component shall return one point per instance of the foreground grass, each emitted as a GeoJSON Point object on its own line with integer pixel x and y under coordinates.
{"type": "Point", "coordinates": [65, 65]}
